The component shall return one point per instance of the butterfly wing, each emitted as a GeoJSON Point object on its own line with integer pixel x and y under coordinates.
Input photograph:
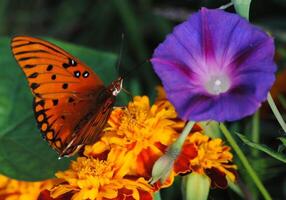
{"type": "Point", "coordinates": [64, 88]}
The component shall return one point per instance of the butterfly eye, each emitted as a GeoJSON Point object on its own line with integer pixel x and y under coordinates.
{"type": "Point", "coordinates": [85, 74]}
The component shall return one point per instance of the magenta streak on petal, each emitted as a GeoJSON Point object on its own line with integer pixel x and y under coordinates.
{"type": "Point", "coordinates": [198, 102]}
{"type": "Point", "coordinates": [193, 83]}
{"type": "Point", "coordinates": [187, 49]}
{"type": "Point", "coordinates": [228, 39]}
{"type": "Point", "coordinates": [242, 56]}
{"type": "Point", "coordinates": [181, 68]}
{"type": "Point", "coordinates": [207, 45]}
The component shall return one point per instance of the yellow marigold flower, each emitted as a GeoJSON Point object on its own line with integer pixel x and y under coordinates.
{"type": "Point", "coordinates": [142, 131]}
{"type": "Point", "coordinates": [11, 189]}
{"type": "Point", "coordinates": [204, 155]}
{"type": "Point", "coordinates": [92, 178]}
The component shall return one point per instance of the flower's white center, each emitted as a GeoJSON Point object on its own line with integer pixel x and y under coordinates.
{"type": "Point", "coordinates": [217, 84]}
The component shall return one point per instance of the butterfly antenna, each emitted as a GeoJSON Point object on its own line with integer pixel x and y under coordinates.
{"type": "Point", "coordinates": [128, 93]}
{"type": "Point", "coordinates": [136, 67]}
{"type": "Point", "coordinates": [120, 53]}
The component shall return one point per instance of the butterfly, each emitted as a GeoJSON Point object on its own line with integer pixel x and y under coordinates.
{"type": "Point", "coordinates": [71, 103]}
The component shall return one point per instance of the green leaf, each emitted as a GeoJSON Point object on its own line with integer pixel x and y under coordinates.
{"type": "Point", "coordinates": [283, 140]}
{"type": "Point", "coordinates": [242, 7]}
{"type": "Point", "coordinates": [282, 147]}
{"type": "Point", "coordinates": [263, 148]}
{"type": "Point", "coordinates": [196, 186]}
{"type": "Point", "coordinates": [24, 154]}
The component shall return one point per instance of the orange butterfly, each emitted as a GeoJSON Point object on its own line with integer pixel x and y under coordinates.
{"type": "Point", "coordinates": [71, 103]}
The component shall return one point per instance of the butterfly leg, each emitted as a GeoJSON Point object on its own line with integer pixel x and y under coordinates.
{"type": "Point", "coordinates": [119, 107]}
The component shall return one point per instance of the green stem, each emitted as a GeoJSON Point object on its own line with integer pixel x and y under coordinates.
{"type": "Point", "coordinates": [176, 147]}
{"type": "Point", "coordinates": [276, 112]}
{"type": "Point", "coordinates": [255, 131]}
{"type": "Point", "coordinates": [163, 166]}
{"type": "Point", "coordinates": [223, 7]}
{"type": "Point", "coordinates": [157, 196]}
{"type": "Point", "coordinates": [245, 162]}
{"type": "Point", "coordinates": [255, 127]}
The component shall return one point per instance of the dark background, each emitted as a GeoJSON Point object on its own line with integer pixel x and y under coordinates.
{"type": "Point", "coordinates": [99, 24]}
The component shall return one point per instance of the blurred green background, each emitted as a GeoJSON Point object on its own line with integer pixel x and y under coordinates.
{"type": "Point", "coordinates": [99, 24]}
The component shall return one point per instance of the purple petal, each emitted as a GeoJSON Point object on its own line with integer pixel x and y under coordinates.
{"type": "Point", "coordinates": [216, 66]}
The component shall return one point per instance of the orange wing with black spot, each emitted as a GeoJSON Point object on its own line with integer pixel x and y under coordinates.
{"type": "Point", "coordinates": [66, 93]}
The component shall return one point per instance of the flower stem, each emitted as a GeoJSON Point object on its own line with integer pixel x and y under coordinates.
{"type": "Point", "coordinates": [255, 131]}
{"type": "Point", "coordinates": [245, 162]}
{"type": "Point", "coordinates": [163, 166]}
{"type": "Point", "coordinates": [177, 145]}
{"type": "Point", "coordinates": [276, 112]}
{"type": "Point", "coordinates": [223, 7]}
{"type": "Point", "coordinates": [157, 196]}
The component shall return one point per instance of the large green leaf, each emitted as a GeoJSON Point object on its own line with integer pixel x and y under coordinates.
{"type": "Point", "coordinates": [23, 153]}
{"type": "Point", "coordinates": [263, 148]}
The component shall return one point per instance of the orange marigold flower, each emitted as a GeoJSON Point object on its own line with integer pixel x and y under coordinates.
{"type": "Point", "coordinates": [11, 189]}
{"type": "Point", "coordinates": [92, 178]}
{"type": "Point", "coordinates": [208, 156]}
{"type": "Point", "coordinates": [142, 131]}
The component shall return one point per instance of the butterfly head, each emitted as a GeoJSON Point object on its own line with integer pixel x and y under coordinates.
{"type": "Point", "coordinates": [116, 86]}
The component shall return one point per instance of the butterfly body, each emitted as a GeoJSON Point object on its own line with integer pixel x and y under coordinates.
{"type": "Point", "coordinates": [71, 103]}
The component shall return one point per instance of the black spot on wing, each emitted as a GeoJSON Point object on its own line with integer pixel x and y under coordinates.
{"type": "Point", "coordinates": [55, 102]}
{"type": "Point", "coordinates": [65, 86]}
{"type": "Point", "coordinates": [85, 74]}
{"type": "Point", "coordinates": [32, 51]}
{"type": "Point", "coordinates": [50, 67]}
{"type": "Point", "coordinates": [65, 65]}
{"type": "Point", "coordinates": [34, 85]}
{"type": "Point", "coordinates": [71, 63]}
{"type": "Point", "coordinates": [76, 74]}
{"type": "Point", "coordinates": [34, 75]}
{"type": "Point", "coordinates": [29, 66]}
{"type": "Point", "coordinates": [71, 100]}
{"type": "Point", "coordinates": [27, 58]}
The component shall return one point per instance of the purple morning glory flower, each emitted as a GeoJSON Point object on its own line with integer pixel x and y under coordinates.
{"type": "Point", "coordinates": [216, 66]}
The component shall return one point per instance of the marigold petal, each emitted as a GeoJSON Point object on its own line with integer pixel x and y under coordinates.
{"type": "Point", "coordinates": [182, 164]}
{"type": "Point", "coordinates": [109, 193]}
{"type": "Point", "coordinates": [145, 161]}
{"type": "Point", "coordinates": [218, 179]}
{"type": "Point", "coordinates": [60, 190]}
{"type": "Point", "coordinates": [97, 150]}
{"type": "Point", "coordinates": [204, 155]}
{"type": "Point", "coordinates": [44, 195]}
